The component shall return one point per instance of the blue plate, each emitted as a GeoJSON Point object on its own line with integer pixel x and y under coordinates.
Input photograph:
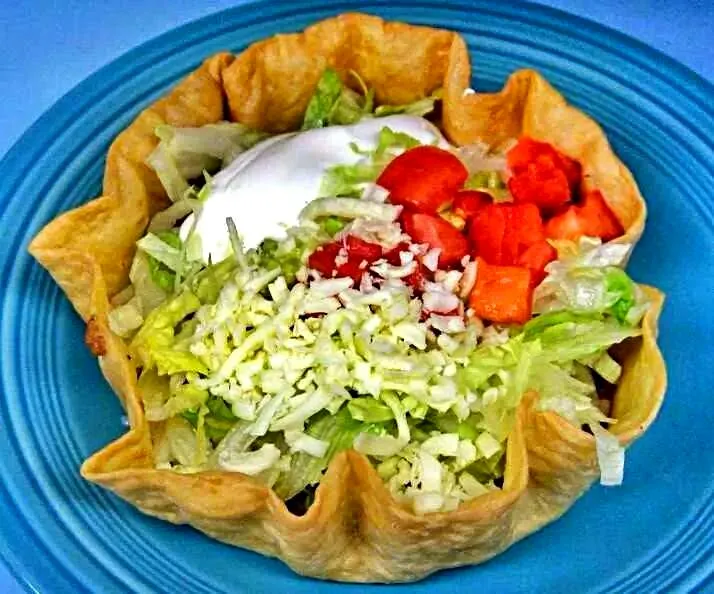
{"type": "Point", "coordinates": [655, 533]}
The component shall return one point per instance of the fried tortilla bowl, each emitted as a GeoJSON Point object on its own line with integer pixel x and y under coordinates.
{"type": "Point", "coordinates": [354, 530]}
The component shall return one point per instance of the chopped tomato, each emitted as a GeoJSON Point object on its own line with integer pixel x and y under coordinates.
{"type": "Point", "coordinates": [501, 232]}
{"type": "Point", "coordinates": [437, 233]}
{"type": "Point", "coordinates": [535, 258]}
{"type": "Point", "coordinates": [359, 249]}
{"type": "Point", "coordinates": [423, 178]}
{"type": "Point", "coordinates": [592, 217]}
{"type": "Point", "coordinates": [323, 258]}
{"type": "Point", "coordinates": [468, 202]}
{"type": "Point", "coordinates": [541, 174]}
{"type": "Point", "coordinates": [353, 269]}
{"type": "Point", "coordinates": [417, 278]}
{"type": "Point", "coordinates": [526, 222]}
{"type": "Point", "coordinates": [502, 294]}
{"type": "Point", "coordinates": [600, 220]}
{"type": "Point", "coordinates": [358, 255]}
{"type": "Point", "coordinates": [528, 151]}
{"type": "Point", "coordinates": [487, 230]}
{"type": "Point", "coordinates": [544, 185]}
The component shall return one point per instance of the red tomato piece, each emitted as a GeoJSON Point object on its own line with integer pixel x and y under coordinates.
{"type": "Point", "coordinates": [423, 178]}
{"type": "Point", "coordinates": [528, 151]}
{"type": "Point", "coordinates": [487, 230]}
{"type": "Point", "coordinates": [468, 202]}
{"type": "Point", "coordinates": [502, 294]}
{"type": "Point", "coordinates": [353, 268]}
{"type": "Point", "coordinates": [600, 220]}
{"type": "Point", "coordinates": [437, 233]}
{"type": "Point", "coordinates": [592, 217]}
{"type": "Point", "coordinates": [525, 221]}
{"type": "Point", "coordinates": [566, 225]}
{"type": "Point", "coordinates": [417, 278]}
{"type": "Point", "coordinates": [535, 258]}
{"type": "Point", "coordinates": [359, 249]}
{"type": "Point", "coordinates": [542, 184]}
{"type": "Point", "coordinates": [501, 232]}
{"type": "Point", "coordinates": [525, 151]}
{"type": "Point", "coordinates": [323, 258]}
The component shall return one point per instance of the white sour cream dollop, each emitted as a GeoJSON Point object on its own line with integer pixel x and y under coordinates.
{"type": "Point", "coordinates": [266, 187]}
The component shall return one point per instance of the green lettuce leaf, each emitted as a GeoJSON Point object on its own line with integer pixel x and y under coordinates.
{"type": "Point", "coordinates": [339, 431]}
{"type": "Point", "coordinates": [368, 410]}
{"type": "Point", "coordinates": [421, 107]}
{"type": "Point", "coordinates": [334, 103]}
{"type": "Point", "coordinates": [207, 283]}
{"type": "Point", "coordinates": [219, 419]}
{"type": "Point", "coordinates": [587, 278]}
{"type": "Point", "coordinates": [208, 147]}
{"type": "Point", "coordinates": [153, 343]}
{"type": "Point", "coordinates": [324, 100]}
{"type": "Point", "coordinates": [126, 318]}
{"type": "Point", "coordinates": [184, 154]}
{"type": "Point", "coordinates": [571, 337]}
{"type": "Point", "coordinates": [163, 251]}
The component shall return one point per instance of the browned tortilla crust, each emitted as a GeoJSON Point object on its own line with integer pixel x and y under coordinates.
{"type": "Point", "coordinates": [354, 531]}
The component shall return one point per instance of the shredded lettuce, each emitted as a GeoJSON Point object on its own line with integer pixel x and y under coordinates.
{"type": "Point", "coordinates": [184, 154]}
{"type": "Point", "coordinates": [420, 107]}
{"type": "Point", "coordinates": [347, 208]}
{"type": "Point", "coordinates": [338, 431]}
{"type": "Point", "coordinates": [610, 456]}
{"type": "Point", "coordinates": [168, 218]}
{"type": "Point", "coordinates": [223, 141]}
{"type": "Point", "coordinates": [126, 318]}
{"type": "Point", "coordinates": [153, 343]}
{"type": "Point", "coordinates": [332, 225]}
{"type": "Point", "coordinates": [164, 257]}
{"type": "Point", "coordinates": [587, 278]}
{"type": "Point", "coordinates": [324, 101]}
{"type": "Point", "coordinates": [335, 103]}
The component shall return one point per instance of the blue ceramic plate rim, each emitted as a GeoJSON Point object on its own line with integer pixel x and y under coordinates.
{"type": "Point", "coordinates": [21, 153]}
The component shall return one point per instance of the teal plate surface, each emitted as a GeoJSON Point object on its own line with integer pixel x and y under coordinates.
{"type": "Point", "coordinates": [655, 533]}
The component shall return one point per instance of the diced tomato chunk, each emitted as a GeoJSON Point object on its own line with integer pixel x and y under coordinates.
{"type": "Point", "coordinates": [323, 258]}
{"type": "Point", "coordinates": [468, 202]}
{"type": "Point", "coordinates": [353, 269]}
{"type": "Point", "coordinates": [501, 232]}
{"type": "Point", "coordinates": [566, 225]}
{"type": "Point", "coordinates": [542, 184]}
{"type": "Point", "coordinates": [487, 230]}
{"type": "Point", "coordinates": [502, 294]}
{"type": "Point", "coordinates": [600, 220]}
{"type": "Point", "coordinates": [535, 258]}
{"type": "Point", "coordinates": [417, 278]}
{"type": "Point", "coordinates": [359, 255]}
{"type": "Point", "coordinates": [423, 178]}
{"type": "Point", "coordinates": [359, 249]}
{"type": "Point", "coordinates": [437, 233]}
{"type": "Point", "coordinates": [541, 174]}
{"type": "Point", "coordinates": [526, 222]}
{"type": "Point", "coordinates": [528, 151]}
{"type": "Point", "coordinates": [592, 217]}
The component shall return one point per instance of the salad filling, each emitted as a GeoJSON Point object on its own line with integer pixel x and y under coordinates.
{"type": "Point", "coordinates": [363, 284]}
